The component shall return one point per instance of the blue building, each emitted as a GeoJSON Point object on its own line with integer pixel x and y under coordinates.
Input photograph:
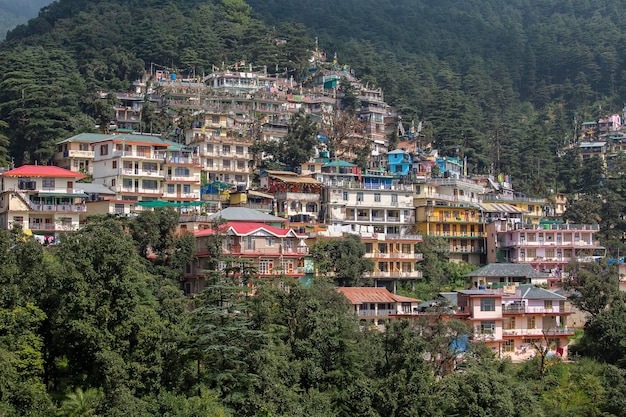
{"type": "Point", "coordinates": [399, 162]}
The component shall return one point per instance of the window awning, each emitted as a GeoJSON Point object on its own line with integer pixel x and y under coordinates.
{"type": "Point", "coordinates": [60, 194]}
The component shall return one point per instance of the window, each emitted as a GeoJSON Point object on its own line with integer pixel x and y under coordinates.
{"type": "Point", "coordinates": [114, 164]}
{"type": "Point", "coordinates": [186, 188]}
{"type": "Point", "coordinates": [487, 327]}
{"type": "Point", "coordinates": [119, 208]}
{"type": "Point", "coordinates": [149, 184]}
{"type": "Point", "coordinates": [550, 253]}
{"type": "Point", "coordinates": [149, 166]}
{"type": "Point", "coordinates": [83, 147]}
{"type": "Point", "coordinates": [239, 150]}
{"type": "Point", "coordinates": [531, 324]}
{"type": "Point", "coordinates": [170, 189]}
{"type": "Point", "coordinates": [269, 241]}
{"type": "Point", "coordinates": [547, 304]}
{"type": "Point", "coordinates": [266, 266]}
{"type": "Point", "coordinates": [104, 150]}
{"type": "Point", "coordinates": [215, 119]}
{"type": "Point", "coordinates": [377, 197]}
{"type": "Point", "coordinates": [209, 163]}
{"type": "Point", "coordinates": [359, 196]}
{"type": "Point", "coordinates": [241, 164]}
{"type": "Point", "coordinates": [181, 172]}
{"type": "Point", "coordinates": [510, 324]}
{"type": "Point", "coordinates": [226, 164]}
{"type": "Point", "coordinates": [18, 219]}
{"type": "Point", "coordinates": [113, 182]}
{"type": "Point", "coordinates": [209, 148]}
{"type": "Point", "coordinates": [394, 198]}
{"type": "Point", "coordinates": [345, 196]}
{"type": "Point", "coordinates": [249, 242]}
{"type": "Point", "coordinates": [487, 304]}
{"type": "Point", "coordinates": [47, 183]}
{"type": "Point", "coordinates": [225, 149]}
{"type": "Point", "coordinates": [509, 346]}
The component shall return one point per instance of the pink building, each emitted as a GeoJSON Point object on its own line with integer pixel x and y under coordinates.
{"type": "Point", "coordinates": [547, 247]}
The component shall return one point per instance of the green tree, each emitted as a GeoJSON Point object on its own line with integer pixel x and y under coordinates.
{"type": "Point", "coordinates": [342, 259]}
{"type": "Point", "coordinates": [299, 144]}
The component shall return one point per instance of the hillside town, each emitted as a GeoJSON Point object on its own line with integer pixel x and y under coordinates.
{"type": "Point", "coordinates": [407, 192]}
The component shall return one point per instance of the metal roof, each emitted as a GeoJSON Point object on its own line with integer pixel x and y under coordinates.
{"type": "Point", "coordinates": [360, 295]}
{"type": "Point", "coordinates": [532, 292]}
{"type": "Point", "coordinates": [243, 214]}
{"type": "Point", "coordinates": [506, 270]}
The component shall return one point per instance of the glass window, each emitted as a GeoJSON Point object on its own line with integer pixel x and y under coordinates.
{"type": "Point", "coordinates": [47, 183]}
{"type": "Point", "coordinates": [531, 324]}
{"type": "Point", "coordinates": [186, 188]}
{"type": "Point", "coordinates": [487, 327]}
{"type": "Point", "coordinates": [345, 196]}
{"type": "Point", "coordinates": [170, 188]}
{"type": "Point", "coordinates": [487, 304]}
{"type": "Point", "coordinates": [377, 197]}
{"type": "Point", "coordinates": [359, 196]}
{"type": "Point", "coordinates": [181, 172]}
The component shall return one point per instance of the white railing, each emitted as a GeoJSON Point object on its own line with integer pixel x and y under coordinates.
{"type": "Point", "coordinates": [60, 207]}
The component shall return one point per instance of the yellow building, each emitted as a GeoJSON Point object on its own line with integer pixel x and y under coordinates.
{"type": "Point", "coordinates": [449, 208]}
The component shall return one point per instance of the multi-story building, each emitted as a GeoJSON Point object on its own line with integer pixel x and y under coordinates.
{"type": "Point", "coordinates": [223, 144]}
{"type": "Point", "coordinates": [548, 247]}
{"type": "Point", "coordinates": [515, 322]}
{"type": "Point", "coordinates": [297, 196]}
{"type": "Point", "coordinates": [384, 206]}
{"type": "Point", "coordinates": [395, 259]}
{"type": "Point", "coordinates": [450, 209]}
{"type": "Point", "coordinates": [269, 250]}
{"type": "Point", "coordinates": [144, 168]}
{"type": "Point", "coordinates": [533, 209]}
{"type": "Point", "coordinates": [374, 304]}
{"type": "Point", "coordinates": [44, 199]}
{"type": "Point", "coordinates": [531, 317]}
{"type": "Point", "coordinates": [76, 153]}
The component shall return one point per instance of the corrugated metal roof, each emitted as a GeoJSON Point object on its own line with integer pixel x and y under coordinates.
{"type": "Point", "coordinates": [500, 208]}
{"type": "Point", "coordinates": [247, 228]}
{"type": "Point", "coordinates": [42, 171]}
{"type": "Point", "coordinates": [244, 214]}
{"type": "Point", "coordinates": [507, 270]}
{"type": "Point", "coordinates": [360, 295]}
{"type": "Point", "coordinates": [297, 180]}
{"type": "Point", "coordinates": [532, 292]}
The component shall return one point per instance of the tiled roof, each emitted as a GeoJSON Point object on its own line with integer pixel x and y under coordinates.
{"type": "Point", "coordinates": [42, 171]}
{"type": "Point", "coordinates": [360, 295]}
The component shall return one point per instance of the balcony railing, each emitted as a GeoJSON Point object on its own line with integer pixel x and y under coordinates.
{"type": "Point", "coordinates": [69, 208]}
{"type": "Point", "coordinates": [395, 255]}
{"type": "Point", "coordinates": [538, 332]}
{"type": "Point", "coordinates": [532, 309]}
{"type": "Point", "coordinates": [395, 274]}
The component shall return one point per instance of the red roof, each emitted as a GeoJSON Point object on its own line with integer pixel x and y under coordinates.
{"type": "Point", "coordinates": [247, 228]}
{"type": "Point", "coordinates": [42, 171]}
{"type": "Point", "coordinates": [360, 295]}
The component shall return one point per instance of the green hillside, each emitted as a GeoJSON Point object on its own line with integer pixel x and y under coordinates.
{"type": "Point", "coordinates": [503, 83]}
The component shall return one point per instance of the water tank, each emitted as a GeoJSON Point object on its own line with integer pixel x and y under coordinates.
{"type": "Point", "coordinates": [173, 77]}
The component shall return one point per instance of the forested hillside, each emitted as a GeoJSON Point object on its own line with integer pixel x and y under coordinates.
{"type": "Point", "coordinates": [503, 83]}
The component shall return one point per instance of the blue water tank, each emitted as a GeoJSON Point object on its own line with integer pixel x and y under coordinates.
{"type": "Point", "coordinates": [173, 76]}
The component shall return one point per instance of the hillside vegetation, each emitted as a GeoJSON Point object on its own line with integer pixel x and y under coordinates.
{"type": "Point", "coordinates": [503, 83]}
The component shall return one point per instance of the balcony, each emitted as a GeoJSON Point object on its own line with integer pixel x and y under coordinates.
{"type": "Point", "coordinates": [538, 332]}
{"type": "Point", "coordinates": [134, 155]}
{"type": "Point", "coordinates": [65, 208]}
{"type": "Point", "coordinates": [520, 309]}
{"type": "Point", "coordinates": [76, 154]}
{"type": "Point", "coordinates": [129, 172]}
{"type": "Point", "coordinates": [183, 178]}
{"type": "Point", "coordinates": [395, 274]}
{"type": "Point", "coordinates": [395, 255]}
{"type": "Point", "coordinates": [138, 190]}
{"type": "Point", "coordinates": [306, 197]}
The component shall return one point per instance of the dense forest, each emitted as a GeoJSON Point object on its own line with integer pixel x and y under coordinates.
{"type": "Point", "coordinates": [505, 83]}
{"type": "Point", "coordinates": [92, 326]}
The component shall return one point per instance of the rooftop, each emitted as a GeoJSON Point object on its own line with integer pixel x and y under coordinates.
{"type": "Point", "coordinates": [42, 171]}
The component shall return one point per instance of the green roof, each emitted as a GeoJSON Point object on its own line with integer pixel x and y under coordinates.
{"type": "Point", "coordinates": [53, 194]}
{"type": "Point", "coordinates": [338, 164]}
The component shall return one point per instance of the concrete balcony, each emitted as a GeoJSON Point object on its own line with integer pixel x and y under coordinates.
{"type": "Point", "coordinates": [395, 255]}
{"type": "Point", "coordinates": [289, 196]}
{"type": "Point", "coordinates": [138, 190]}
{"type": "Point", "coordinates": [538, 332]}
{"type": "Point", "coordinates": [64, 208]}
{"type": "Point", "coordinates": [129, 172]}
{"type": "Point", "coordinates": [520, 309]}
{"type": "Point", "coordinates": [395, 274]}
